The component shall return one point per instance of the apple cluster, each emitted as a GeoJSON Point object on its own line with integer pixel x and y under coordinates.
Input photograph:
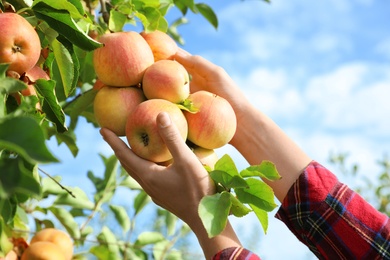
{"type": "Point", "coordinates": [137, 78]}
{"type": "Point", "coordinates": [20, 47]}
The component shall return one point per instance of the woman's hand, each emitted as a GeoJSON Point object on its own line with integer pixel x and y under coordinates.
{"type": "Point", "coordinates": [178, 187]}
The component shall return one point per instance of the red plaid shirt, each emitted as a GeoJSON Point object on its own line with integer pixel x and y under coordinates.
{"type": "Point", "coordinates": [331, 219]}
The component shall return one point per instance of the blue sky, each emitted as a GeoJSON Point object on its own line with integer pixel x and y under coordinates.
{"type": "Point", "coordinates": [320, 69]}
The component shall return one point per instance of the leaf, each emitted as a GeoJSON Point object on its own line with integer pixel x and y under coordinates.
{"type": "Point", "coordinates": [117, 21]}
{"type": "Point", "coordinates": [7, 210]}
{"type": "Point", "coordinates": [11, 85]}
{"type": "Point", "coordinates": [262, 216]}
{"type": "Point", "coordinates": [121, 216]}
{"type": "Point", "coordinates": [67, 220]}
{"type": "Point", "coordinates": [69, 139]}
{"type": "Point", "coordinates": [208, 13]}
{"type": "Point", "coordinates": [50, 187]}
{"type": "Point", "coordinates": [149, 237]}
{"type": "Point", "coordinates": [152, 19]}
{"type": "Point", "coordinates": [50, 105]}
{"type": "Point", "coordinates": [259, 194]}
{"type": "Point", "coordinates": [29, 144]}
{"type": "Point", "coordinates": [188, 105]}
{"type": "Point", "coordinates": [140, 201]}
{"type": "Point", "coordinates": [108, 239]}
{"type": "Point", "coordinates": [226, 164]}
{"type": "Point", "coordinates": [62, 21]}
{"type": "Point", "coordinates": [80, 201]}
{"type": "Point", "coordinates": [78, 105]}
{"type": "Point", "coordinates": [130, 183]}
{"type": "Point", "coordinates": [238, 209]}
{"type": "Point", "coordinates": [227, 180]}
{"type": "Point", "coordinates": [67, 63]}
{"type": "Point", "coordinates": [265, 169]}
{"type": "Point", "coordinates": [214, 211]}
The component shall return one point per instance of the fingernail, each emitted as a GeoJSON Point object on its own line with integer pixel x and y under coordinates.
{"type": "Point", "coordinates": [164, 120]}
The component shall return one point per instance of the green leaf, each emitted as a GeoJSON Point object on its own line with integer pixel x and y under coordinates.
{"type": "Point", "coordinates": [214, 211]}
{"type": "Point", "coordinates": [50, 187]}
{"type": "Point", "coordinates": [8, 210]}
{"type": "Point", "coordinates": [265, 169]}
{"type": "Point", "coordinates": [67, 220]}
{"type": "Point", "coordinates": [188, 105]}
{"type": "Point", "coordinates": [67, 63]}
{"type": "Point", "coordinates": [149, 237]}
{"type": "Point", "coordinates": [259, 194]}
{"type": "Point", "coordinates": [77, 106]}
{"type": "Point", "coordinates": [5, 243]}
{"type": "Point", "coordinates": [108, 239]}
{"type": "Point", "coordinates": [130, 183]}
{"type": "Point", "coordinates": [117, 21]}
{"type": "Point", "coordinates": [29, 144]}
{"type": "Point", "coordinates": [62, 21]}
{"type": "Point", "coordinates": [152, 19]}
{"type": "Point", "coordinates": [227, 180]}
{"type": "Point", "coordinates": [262, 216]}
{"type": "Point", "coordinates": [51, 107]}
{"type": "Point", "coordinates": [121, 216]}
{"type": "Point", "coordinates": [238, 209]}
{"type": "Point", "coordinates": [226, 164]}
{"type": "Point", "coordinates": [140, 201]}
{"type": "Point", "coordinates": [11, 85]}
{"type": "Point", "coordinates": [208, 13]}
{"type": "Point", "coordinates": [80, 199]}
{"type": "Point", "coordinates": [69, 138]}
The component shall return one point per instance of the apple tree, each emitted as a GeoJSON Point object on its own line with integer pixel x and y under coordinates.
{"type": "Point", "coordinates": [32, 199]}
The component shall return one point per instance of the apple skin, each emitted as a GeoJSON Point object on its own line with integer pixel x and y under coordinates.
{"type": "Point", "coordinates": [142, 129]}
{"type": "Point", "coordinates": [29, 78]}
{"type": "Point", "coordinates": [166, 79]}
{"type": "Point", "coordinates": [19, 43]}
{"type": "Point", "coordinates": [43, 250]}
{"type": "Point", "coordinates": [123, 59]}
{"type": "Point", "coordinates": [161, 44]}
{"type": "Point", "coordinates": [208, 157]}
{"type": "Point", "coordinates": [214, 124]}
{"type": "Point", "coordinates": [113, 105]}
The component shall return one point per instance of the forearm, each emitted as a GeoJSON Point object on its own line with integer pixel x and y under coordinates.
{"type": "Point", "coordinates": [211, 246]}
{"type": "Point", "coordinates": [258, 138]}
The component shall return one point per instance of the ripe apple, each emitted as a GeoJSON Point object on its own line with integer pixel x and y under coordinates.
{"type": "Point", "coordinates": [30, 77]}
{"type": "Point", "coordinates": [142, 130]}
{"type": "Point", "coordinates": [43, 250]}
{"type": "Point", "coordinates": [161, 44]}
{"type": "Point", "coordinates": [19, 43]}
{"type": "Point", "coordinates": [113, 105]}
{"type": "Point", "coordinates": [214, 124]}
{"type": "Point", "coordinates": [207, 157]}
{"type": "Point", "coordinates": [166, 79]}
{"type": "Point", "coordinates": [57, 237]}
{"type": "Point", "coordinates": [123, 59]}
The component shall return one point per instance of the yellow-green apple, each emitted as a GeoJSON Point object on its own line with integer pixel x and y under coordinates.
{"type": "Point", "coordinates": [20, 46]}
{"type": "Point", "coordinates": [142, 129]}
{"type": "Point", "coordinates": [112, 106]}
{"type": "Point", "coordinates": [214, 124]}
{"type": "Point", "coordinates": [123, 59]}
{"type": "Point", "coordinates": [166, 79]}
{"type": "Point", "coordinates": [57, 237]}
{"type": "Point", "coordinates": [161, 44]}
{"type": "Point", "coordinates": [208, 157]}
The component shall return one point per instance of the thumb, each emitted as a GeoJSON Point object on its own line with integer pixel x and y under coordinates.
{"type": "Point", "coordinates": [172, 138]}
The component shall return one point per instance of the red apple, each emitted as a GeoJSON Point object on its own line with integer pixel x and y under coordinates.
{"type": "Point", "coordinates": [142, 130]}
{"type": "Point", "coordinates": [161, 44]}
{"type": "Point", "coordinates": [113, 105]}
{"type": "Point", "coordinates": [214, 124]}
{"type": "Point", "coordinates": [19, 43]}
{"type": "Point", "coordinates": [123, 59]}
{"type": "Point", "coordinates": [166, 79]}
{"type": "Point", "coordinates": [29, 78]}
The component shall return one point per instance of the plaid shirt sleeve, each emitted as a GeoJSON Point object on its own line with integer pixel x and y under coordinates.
{"type": "Point", "coordinates": [332, 220]}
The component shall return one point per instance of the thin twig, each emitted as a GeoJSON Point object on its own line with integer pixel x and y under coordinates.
{"type": "Point", "coordinates": [59, 184]}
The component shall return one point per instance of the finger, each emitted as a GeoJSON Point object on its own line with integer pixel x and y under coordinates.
{"type": "Point", "coordinates": [172, 138]}
{"type": "Point", "coordinates": [134, 165]}
{"type": "Point", "coordinates": [195, 64]}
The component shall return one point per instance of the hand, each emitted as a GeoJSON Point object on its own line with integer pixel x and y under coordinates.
{"type": "Point", "coordinates": [178, 187]}
{"type": "Point", "coordinates": [208, 76]}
